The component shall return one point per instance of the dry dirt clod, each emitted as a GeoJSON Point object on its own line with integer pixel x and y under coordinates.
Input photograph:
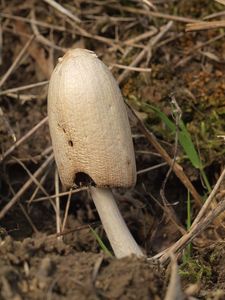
{"type": "Point", "coordinates": [70, 274]}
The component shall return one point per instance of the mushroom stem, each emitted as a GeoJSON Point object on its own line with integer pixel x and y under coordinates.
{"type": "Point", "coordinates": [121, 240]}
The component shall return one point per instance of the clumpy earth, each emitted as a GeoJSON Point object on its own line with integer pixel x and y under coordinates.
{"type": "Point", "coordinates": [44, 268]}
{"type": "Point", "coordinates": [35, 263]}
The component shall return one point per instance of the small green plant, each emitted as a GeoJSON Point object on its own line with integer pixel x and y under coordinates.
{"type": "Point", "coordinates": [194, 270]}
{"type": "Point", "coordinates": [185, 141]}
{"type": "Point", "coordinates": [100, 242]}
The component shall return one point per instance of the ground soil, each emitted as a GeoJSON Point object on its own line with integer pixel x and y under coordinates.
{"type": "Point", "coordinates": [42, 268]}
{"type": "Point", "coordinates": [35, 263]}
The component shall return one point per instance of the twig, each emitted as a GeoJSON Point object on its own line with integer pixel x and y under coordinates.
{"type": "Point", "coordinates": [62, 10]}
{"type": "Point", "coordinates": [23, 189]}
{"type": "Point", "coordinates": [21, 140]}
{"type": "Point", "coordinates": [16, 61]}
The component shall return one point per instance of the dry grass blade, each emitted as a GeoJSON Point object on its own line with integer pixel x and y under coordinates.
{"type": "Point", "coordinates": [151, 168]}
{"type": "Point", "coordinates": [153, 14]}
{"type": "Point", "coordinates": [62, 10]}
{"type": "Point", "coordinates": [57, 203]}
{"type": "Point", "coordinates": [209, 200]}
{"type": "Point", "coordinates": [25, 87]}
{"type": "Point", "coordinates": [23, 189]}
{"type": "Point", "coordinates": [23, 98]}
{"type": "Point", "coordinates": [221, 1]}
{"type": "Point", "coordinates": [214, 15]}
{"type": "Point", "coordinates": [42, 180]}
{"type": "Point", "coordinates": [141, 37]}
{"type": "Point", "coordinates": [135, 69]}
{"type": "Point", "coordinates": [67, 210]}
{"type": "Point", "coordinates": [102, 39]}
{"type": "Point", "coordinates": [21, 140]}
{"type": "Point", "coordinates": [204, 25]}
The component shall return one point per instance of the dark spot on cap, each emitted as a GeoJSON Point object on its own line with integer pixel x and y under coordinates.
{"type": "Point", "coordinates": [70, 143]}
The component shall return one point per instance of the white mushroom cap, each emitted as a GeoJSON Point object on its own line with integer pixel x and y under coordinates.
{"type": "Point", "coordinates": [88, 122]}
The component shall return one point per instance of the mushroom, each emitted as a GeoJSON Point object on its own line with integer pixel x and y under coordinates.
{"type": "Point", "coordinates": [91, 138]}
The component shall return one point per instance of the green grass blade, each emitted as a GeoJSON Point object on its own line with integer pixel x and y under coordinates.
{"type": "Point", "coordinates": [161, 115]}
{"type": "Point", "coordinates": [100, 242]}
{"type": "Point", "coordinates": [188, 146]}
